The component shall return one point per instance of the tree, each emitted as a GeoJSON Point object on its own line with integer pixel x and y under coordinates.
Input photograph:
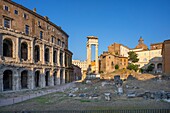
{"type": "Point", "coordinates": [116, 66]}
{"type": "Point", "coordinates": [133, 67]}
{"type": "Point", "coordinates": [150, 68]}
{"type": "Point", "coordinates": [133, 57]}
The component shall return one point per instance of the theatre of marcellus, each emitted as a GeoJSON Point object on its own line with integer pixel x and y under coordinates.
{"type": "Point", "coordinates": [33, 51]}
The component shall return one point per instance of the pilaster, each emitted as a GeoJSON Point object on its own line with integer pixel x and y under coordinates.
{"type": "Point", "coordinates": [1, 82]}
{"type": "Point", "coordinates": [51, 56]}
{"type": "Point", "coordinates": [17, 50]}
{"type": "Point", "coordinates": [42, 54]}
{"type": "Point", "coordinates": [58, 57]}
{"type": "Point", "coordinates": [64, 77]}
{"type": "Point", "coordinates": [32, 51]}
{"type": "Point", "coordinates": [58, 77]}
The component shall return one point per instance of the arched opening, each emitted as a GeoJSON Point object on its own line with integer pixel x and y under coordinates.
{"type": "Point", "coordinates": [47, 55]}
{"type": "Point", "coordinates": [61, 76]}
{"type": "Point", "coordinates": [159, 66]}
{"type": "Point", "coordinates": [7, 48]}
{"type": "Point", "coordinates": [36, 78]}
{"type": "Point", "coordinates": [24, 51]}
{"type": "Point", "coordinates": [37, 53]}
{"type": "Point", "coordinates": [55, 77]}
{"type": "Point", "coordinates": [47, 78]}
{"type": "Point", "coordinates": [24, 79]}
{"type": "Point", "coordinates": [61, 58]}
{"type": "Point", "coordinates": [7, 80]}
{"type": "Point", "coordinates": [55, 57]}
{"type": "Point", "coordinates": [153, 66]}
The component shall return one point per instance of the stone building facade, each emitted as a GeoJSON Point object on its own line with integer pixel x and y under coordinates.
{"type": "Point", "coordinates": [33, 51]}
{"type": "Point", "coordinates": [77, 72]}
{"type": "Point", "coordinates": [108, 61]}
{"type": "Point", "coordinates": [166, 57]}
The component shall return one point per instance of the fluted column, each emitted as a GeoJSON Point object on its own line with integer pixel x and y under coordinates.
{"type": "Point", "coordinates": [96, 60]}
{"type": "Point", "coordinates": [88, 55]}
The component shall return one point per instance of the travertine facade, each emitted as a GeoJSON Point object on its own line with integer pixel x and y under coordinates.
{"type": "Point", "coordinates": [33, 51]}
{"type": "Point", "coordinates": [166, 57]}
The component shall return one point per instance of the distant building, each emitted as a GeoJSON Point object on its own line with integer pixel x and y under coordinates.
{"type": "Point", "coordinates": [149, 56]}
{"type": "Point", "coordinates": [77, 73]}
{"type": "Point", "coordinates": [81, 64]}
{"type": "Point", "coordinates": [108, 61]}
{"type": "Point", "coordinates": [166, 56]}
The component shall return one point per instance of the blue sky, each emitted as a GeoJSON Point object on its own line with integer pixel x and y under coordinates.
{"type": "Point", "coordinates": [121, 21]}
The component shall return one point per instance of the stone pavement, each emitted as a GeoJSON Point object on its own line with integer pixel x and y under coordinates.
{"type": "Point", "coordinates": [20, 98]}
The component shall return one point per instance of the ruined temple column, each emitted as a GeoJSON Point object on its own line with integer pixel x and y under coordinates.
{"type": "Point", "coordinates": [88, 55]}
{"type": "Point", "coordinates": [96, 59]}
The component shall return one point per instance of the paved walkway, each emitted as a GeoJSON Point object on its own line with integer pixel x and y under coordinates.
{"type": "Point", "coordinates": [20, 98]}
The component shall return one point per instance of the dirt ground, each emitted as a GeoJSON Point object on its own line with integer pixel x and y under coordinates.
{"type": "Point", "coordinates": [62, 100]}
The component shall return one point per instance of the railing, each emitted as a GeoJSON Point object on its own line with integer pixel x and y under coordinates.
{"type": "Point", "coordinates": [102, 111]}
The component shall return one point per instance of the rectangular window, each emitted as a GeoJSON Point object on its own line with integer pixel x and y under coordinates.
{"type": "Point", "coordinates": [6, 23]}
{"type": "Point", "coordinates": [16, 12]}
{"type": "Point", "coordinates": [59, 41]}
{"type": "Point", "coordinates": [52, 39]}
{"type": "Point", "coordinates": [6, 8]}
{"type": "Point", "coordinates": [27, 29]}
{"type": "Point", "coordinates": [41, 35]}
{"type": "Point", "coordinates": [63, 44]}
{"type": "Point", "coordinates": [25, 16]}
{"type": "Point", "coordinates": [39, 23]}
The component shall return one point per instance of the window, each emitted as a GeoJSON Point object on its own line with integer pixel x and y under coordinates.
{"type": "Point", "coordinates": [7, 23]}
{"type": "Point", "coordinates": [59, 41]}
{"type": "Point", "coordinates": [16, 12]}
{"type": "Point", "coordinates": [63, 44]}
{"type": "Point", "coordinates": [48, 27]}
{"type": "Point", "coordinates": [39, 23]}
{"type": "Point", "coordinates": [53, 29]}
{"type": "Point", "coordinates": [26, 29]}
{"type": "Point", "coordinates": [6, 8]}
{"type": "Point", "coordinates": [52, 39]}
{"type": "Point", "coordinates": [25, 16]}
{"type": "Point", "coordinates": [41, 35]}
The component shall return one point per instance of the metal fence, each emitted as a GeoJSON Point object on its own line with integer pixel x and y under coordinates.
{"type": "Point", "coordinates": [101, 111]}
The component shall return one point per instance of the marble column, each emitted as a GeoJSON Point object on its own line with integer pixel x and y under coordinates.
{"type": "Point", "coordinates": [88, 55]}
{"type": "Point", "coordinates": [96, 60]}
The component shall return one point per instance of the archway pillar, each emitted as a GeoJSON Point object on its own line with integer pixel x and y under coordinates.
{"type": "Point", "coordinates": [16, 50]}
{"type": "Point", "coordinates": [1, 44]}
{"type": "Point", "coordinates": [31, 75]}
{"type": "Point", "coordinates": [58, 77]}
{"type": "Point", "coordinates": [16, 80]}
{"type": "Point", "coordinates": [1, 82]}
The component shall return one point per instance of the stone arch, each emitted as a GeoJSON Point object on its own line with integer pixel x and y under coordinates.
{"type": "Point", "coordinates": [159, 66]}
{"type": "Point", "coordinates": [55, 77]}
{"type": "Point", "coordinates": [24, 79]}
{"type": "Point", "coordinates": [24, 50]}
{"type": "Point", "coordinates": [37, 78]}
{"type": "Point", "coordinates": [55, 56]}
{"type": "Point", "coordinates": [47, 54]}
{"type": "Point", "coordinates": [7, 80]}
{"type": "Point", "coordinates": [7, 47]}
{"type": "Point", "coordinates": [153, 65]}
{"type": "Point", "coordinates": [61, 76]}
{"type": "Point", "coordinates": [37, 53]}
{"type": "Point", "coordinates": [47, 77]}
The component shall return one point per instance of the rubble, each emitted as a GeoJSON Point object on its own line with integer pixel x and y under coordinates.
{"type": "Point", "coordinates": [107, 96]}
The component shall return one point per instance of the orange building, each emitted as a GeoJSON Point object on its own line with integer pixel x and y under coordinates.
{"type": "Point", "coordinates": [166, 56]}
